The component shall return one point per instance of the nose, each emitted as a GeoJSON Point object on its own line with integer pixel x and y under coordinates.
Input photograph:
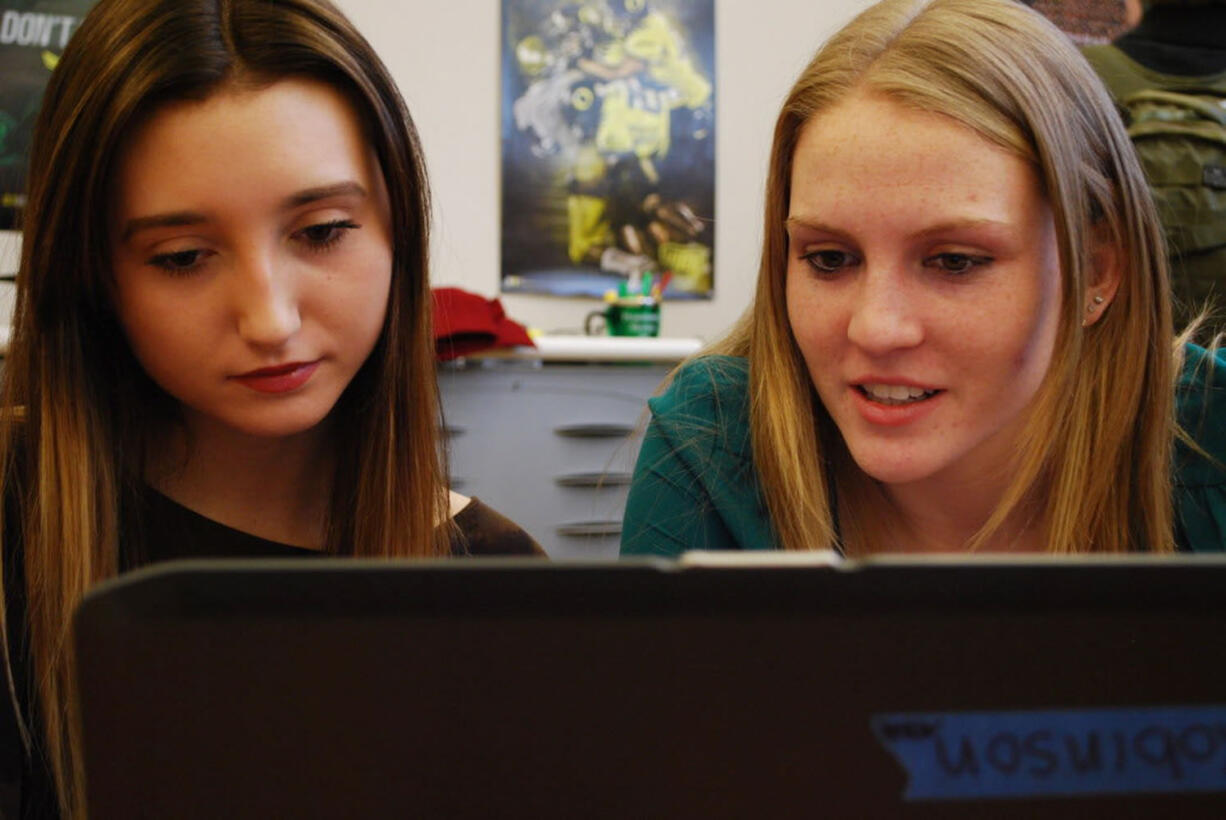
{"type": "Point", "coordinates": [265, 301]}
{"type": "Point", "coordinates": [884, 317]}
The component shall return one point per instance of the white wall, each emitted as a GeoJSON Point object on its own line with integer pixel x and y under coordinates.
{"type": "Point", "coordinates": [445, 57]}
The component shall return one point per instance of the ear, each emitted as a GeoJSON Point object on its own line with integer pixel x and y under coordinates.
{"type": "Point", "coordinates": [1102, 279]}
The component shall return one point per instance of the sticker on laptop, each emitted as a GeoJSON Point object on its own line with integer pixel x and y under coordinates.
{"type": "Point", "coordinates": [965, 755]}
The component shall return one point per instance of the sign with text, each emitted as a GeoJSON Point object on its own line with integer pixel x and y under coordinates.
{"type": "Point", "coordinates": [32, 37]}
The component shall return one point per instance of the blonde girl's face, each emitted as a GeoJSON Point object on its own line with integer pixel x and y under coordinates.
{"type": "Point", "coordinates": [923, 289]}
{"type": "Point", "coordinates": [252, 254]}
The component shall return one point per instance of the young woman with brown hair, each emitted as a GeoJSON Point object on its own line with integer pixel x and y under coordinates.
{"type": "Point", "coordinates": [222, 339]}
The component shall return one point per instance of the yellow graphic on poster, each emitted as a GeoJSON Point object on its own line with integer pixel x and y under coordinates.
{"type": "Point", "coordinates": [608, 145]}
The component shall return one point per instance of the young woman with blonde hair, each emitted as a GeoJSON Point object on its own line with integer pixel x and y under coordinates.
{"type": "Point", "coordinates": [961, 337]}
{"type": "Point", "coordinates": [222, 341]}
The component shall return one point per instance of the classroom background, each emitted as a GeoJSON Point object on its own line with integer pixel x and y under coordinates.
{"type": "Point", "coordinates": [445, 57]}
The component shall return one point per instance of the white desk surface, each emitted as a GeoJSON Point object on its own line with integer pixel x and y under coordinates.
{"type": "Point", "coordinates": [599, 349]}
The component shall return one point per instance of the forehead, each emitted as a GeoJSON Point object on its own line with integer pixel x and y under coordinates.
{"type": "Point", "coordinates": [293, 132]}
{"type": "Point", "coordinates": [870, 146]}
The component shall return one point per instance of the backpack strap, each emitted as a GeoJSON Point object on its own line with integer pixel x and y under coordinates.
{"type": "Point", "coordinates": [1198, 116]}
{"type": "Point", "coordinates": [1199, 100]}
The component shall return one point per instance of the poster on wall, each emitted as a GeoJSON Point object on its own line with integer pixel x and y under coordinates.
{"type": "Point", "coordinates": [608, 146]}
{"type": "Point", "coordinates": [33, 34]}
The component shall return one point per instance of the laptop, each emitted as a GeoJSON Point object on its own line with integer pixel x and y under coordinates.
{"type": "Point", "coordinates": [722, 686]}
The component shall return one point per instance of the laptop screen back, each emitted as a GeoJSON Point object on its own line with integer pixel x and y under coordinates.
{"type": "Point", "coordinates": [1077, 688]}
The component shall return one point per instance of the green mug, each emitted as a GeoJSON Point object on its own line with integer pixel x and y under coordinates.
{"type": "Point", "coordinates": [634, 316]}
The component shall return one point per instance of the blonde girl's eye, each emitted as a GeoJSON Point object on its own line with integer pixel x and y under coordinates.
{"type": "Point", "coordinates": [957, 263]}
{"type": "Point", "coordinates": [830, 261]}
{"type": "Point", "coordinates": [324, 235]}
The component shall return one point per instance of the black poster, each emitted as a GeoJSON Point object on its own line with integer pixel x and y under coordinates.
{"type": "Point", "coordinates": [33, 34]}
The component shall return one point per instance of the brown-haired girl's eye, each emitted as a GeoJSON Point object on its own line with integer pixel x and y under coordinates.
{"type": "Point", "coordinates": [178, 261]}
{"type": "Point", "coordinates": [326, 234]}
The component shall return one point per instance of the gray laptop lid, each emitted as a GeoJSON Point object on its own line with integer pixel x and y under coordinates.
{"type": "Point", "coordinates": [343, 688]}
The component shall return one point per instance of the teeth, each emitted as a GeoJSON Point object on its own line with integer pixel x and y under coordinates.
{"type": "Point", "coordinates": [895, 393]}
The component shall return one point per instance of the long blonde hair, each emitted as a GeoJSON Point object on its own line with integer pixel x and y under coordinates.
{"type": "Point", "coordinates": [78, 409]}
{"type": "Point", "coordinates": [1098, 439]}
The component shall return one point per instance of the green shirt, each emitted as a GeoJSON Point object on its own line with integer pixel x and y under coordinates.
{"type": "Point", "coordinates": [696, 488]}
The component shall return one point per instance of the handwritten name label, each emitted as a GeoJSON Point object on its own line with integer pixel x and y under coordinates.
{"type": "Point", "coordinates": [960, 755]}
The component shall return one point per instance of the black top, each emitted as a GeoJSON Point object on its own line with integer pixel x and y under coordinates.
{"type": "Point", "coordinates": [171, 531]}
{"type": "Point", "coordinates": [1185, 40]}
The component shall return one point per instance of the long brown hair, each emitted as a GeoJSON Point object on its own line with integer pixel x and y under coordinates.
{"type": "Point", "coordinates": [78, 407]}
{"type": "Point", "coordinates": [1098, 439]}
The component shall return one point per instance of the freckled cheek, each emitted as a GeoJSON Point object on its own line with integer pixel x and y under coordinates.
{"type": "Point", "coordinates": [804, 309]}
{"type": "Point", "coordinates": [998, 350]}
{"type": "Point", "coordinates": [819, 333]}
{"type": "Point", "coordinates": [1036, 337]}
{"type": "Point", "coordinates": [821, 355]}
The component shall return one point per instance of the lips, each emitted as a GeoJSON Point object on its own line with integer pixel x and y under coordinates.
{"type": "Point", "coordinates": [895, 394]}
{"type": "Point", "coordinates": [892, 403]}
{"type": "Point", "coordinates": [281, 378]}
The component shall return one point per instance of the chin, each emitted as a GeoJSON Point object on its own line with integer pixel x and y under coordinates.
{"type": "Point", "coordinates": [276, 427]}
{"type": "Point", "coordinates": [889, 469]}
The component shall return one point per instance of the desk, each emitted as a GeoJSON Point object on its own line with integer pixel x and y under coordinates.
{"type": "Point", "coordinates": [549, 436]}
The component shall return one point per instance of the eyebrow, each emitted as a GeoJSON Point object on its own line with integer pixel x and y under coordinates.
{"type": "Point", "coordinates": [940, 228]}
{"type": "Point", "coordinates": [325, 192]}
{"type": "Point", "coordinates": [177, 219]}
{"type": "Point", "coordinates": [171, 220]}
{"type": "Point", "coordinates": [812, 225]}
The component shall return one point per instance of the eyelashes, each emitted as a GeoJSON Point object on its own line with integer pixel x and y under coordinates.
{"type": "Point", "coordinates": [326, 234]}
{"type": "Point", "coordinates": [828, 262]}
{"type": "Point", "coordinates": [317, 238]}
{"type": "Point", "coordinates": [957, 263]}
{"type": "Point", "coordinates": [178, 262]}
{"type": "Point", "coordinates": [181, 263]}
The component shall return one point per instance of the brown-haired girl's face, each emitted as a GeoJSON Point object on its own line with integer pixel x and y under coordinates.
{"type": "Point", "coordinates": [923, 289]}
{"type": "Point", "coordinates": [252, 254]}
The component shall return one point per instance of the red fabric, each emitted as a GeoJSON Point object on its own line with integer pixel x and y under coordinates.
{"type": "Point", "coordinates": [467, 322]}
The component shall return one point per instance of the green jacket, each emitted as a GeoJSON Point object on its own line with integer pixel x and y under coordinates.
{"type": "Point", "coordinates": [1193, 210]}
{"type": "Point", "coordinates": [695, 486]}
{"type": "Point", "coordinates": [1124, 76]}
